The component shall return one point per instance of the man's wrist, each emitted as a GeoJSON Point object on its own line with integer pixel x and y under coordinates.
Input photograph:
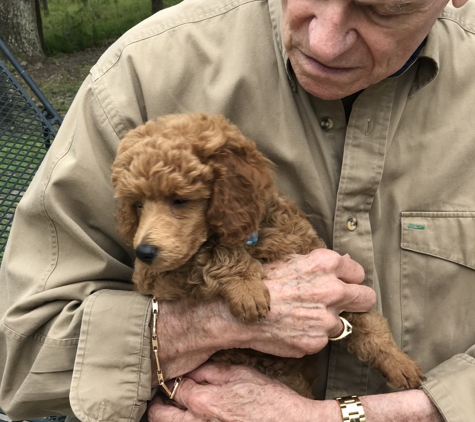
{"type": "Point", "coordinates": [402, 406]}
{"type": "Point", "coordinates": [189, 335]}
{"type": "Point", "coordinates": [322, 411]}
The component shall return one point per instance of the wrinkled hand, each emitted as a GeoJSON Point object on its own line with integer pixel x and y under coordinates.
{"type": "Point", "coordinates": [241, 394]}
{"type": "Point", "coordinates": [308, 292]}
{"type": "Point", "coordinates": [237, 394]}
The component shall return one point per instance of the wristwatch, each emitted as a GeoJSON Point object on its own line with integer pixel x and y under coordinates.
{"type": "Point", "coordinates": [351, 409]}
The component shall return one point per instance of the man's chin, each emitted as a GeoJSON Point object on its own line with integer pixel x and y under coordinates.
{"type": "Point", "coordinates": [328, 91]}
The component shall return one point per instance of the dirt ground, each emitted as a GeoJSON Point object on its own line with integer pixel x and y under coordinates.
{"type": "Point", "coordinates": [59, 78]}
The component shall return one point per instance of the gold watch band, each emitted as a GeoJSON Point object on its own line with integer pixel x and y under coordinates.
{"type": "Point", "coordinates": [351, 409]}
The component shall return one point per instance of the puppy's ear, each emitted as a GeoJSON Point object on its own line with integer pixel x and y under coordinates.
{"type": "Point", "coordinates": [127, 221]}
{"type": "Point", "coordinates": [240, 191]}
{"type": "Point", "coordinates": [126, 215]}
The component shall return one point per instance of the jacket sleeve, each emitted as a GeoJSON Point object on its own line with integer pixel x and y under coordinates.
{"type": "Point", "coordinates": [73, 331]}
{"type": "Point", "coordinates": [451, 387]}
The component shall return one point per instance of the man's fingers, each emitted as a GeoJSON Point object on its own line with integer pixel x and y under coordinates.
{"type": "Point", "coordinates": [210, 374]}
{"type": "Point", "coordinates": [337, 330]}
{"type": "Point", "coordinates": [350, 295]}
{"type": "Point", "coordinates": [194, 396]}
{"type": "Point", "coordinates": [190, 392]}
{"type": "Point", "coordinates": [350, 271]}
{"type": "Point", "coordinates": [201, 401]}
{"type": "Point", "coordinates": [159, 412]}
{"type": "Point", "coordinates": [358, 298]}
{"type": "Point", "coordinates": [216, 374]}
{"type": "Point", "coordinates": [324, 262]}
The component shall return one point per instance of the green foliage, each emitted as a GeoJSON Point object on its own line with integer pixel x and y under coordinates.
{"type": "Point", "coordinates": [74, 25]}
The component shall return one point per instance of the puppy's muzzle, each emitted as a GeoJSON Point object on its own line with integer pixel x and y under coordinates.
{"type": "Point", "coordinates": [146, 253]}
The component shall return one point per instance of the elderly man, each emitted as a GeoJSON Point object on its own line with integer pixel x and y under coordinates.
{"type": "Point", "coordinates": [367, 109]}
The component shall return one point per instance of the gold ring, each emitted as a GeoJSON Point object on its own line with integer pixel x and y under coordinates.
{"type": "Point", "coordinates": [347, 330]}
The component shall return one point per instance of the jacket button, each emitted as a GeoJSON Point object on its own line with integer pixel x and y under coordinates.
{"type": "Point", "coordinates": [351, 224]}
{"type": "Point", "coordinates": [326, 123]}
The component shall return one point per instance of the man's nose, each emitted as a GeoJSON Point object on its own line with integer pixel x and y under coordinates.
{"type": "Point", "coordinates": [330, 32]}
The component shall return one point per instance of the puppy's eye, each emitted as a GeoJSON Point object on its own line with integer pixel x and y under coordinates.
{"type": "Point", "coordinates": [138, 205]}
{"type": "Point", "coordinates": [180, 201]}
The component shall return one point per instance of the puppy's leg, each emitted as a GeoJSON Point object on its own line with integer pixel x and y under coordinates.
{"type": "Point", "coordinates": [374, 344]}
{"type": "Point", "coordinates": [284, 231]}
{"type": "Point", "coordinates": [235, 275]}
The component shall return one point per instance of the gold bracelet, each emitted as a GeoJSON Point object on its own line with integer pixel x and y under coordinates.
{"type": "Point", "coordinates": [351, 409]}
{"type": "Point", "coordinates": [161, 380]}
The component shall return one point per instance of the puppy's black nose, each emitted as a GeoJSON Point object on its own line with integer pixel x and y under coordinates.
{"type": "Point", "coordinates": [146, 253]}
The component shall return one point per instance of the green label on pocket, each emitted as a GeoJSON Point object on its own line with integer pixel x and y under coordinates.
{"type": "Point", "coordinates": [416, 226]}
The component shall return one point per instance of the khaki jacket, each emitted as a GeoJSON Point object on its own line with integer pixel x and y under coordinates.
{"type": "Point", "coordinates": [75, 338]}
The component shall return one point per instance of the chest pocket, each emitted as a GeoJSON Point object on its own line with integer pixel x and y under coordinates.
{"type": "Point", "coordinates": [437, 284]}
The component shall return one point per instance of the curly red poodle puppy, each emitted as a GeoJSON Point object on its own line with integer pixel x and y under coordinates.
{"type": "Point", "coordinates": [198, 204]}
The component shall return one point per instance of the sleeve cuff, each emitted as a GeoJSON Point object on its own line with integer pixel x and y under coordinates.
{"type": "Point", "coordinates": [112, 373]}
{"type": "Point", "coordinates": [451, 387]}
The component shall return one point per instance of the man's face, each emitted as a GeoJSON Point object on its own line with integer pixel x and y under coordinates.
{"type": "Point", "coordinates": [338, 47]}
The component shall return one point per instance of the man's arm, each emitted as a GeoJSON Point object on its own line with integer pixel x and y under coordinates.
{"type": "Point", "coordinates": [404, 406]}
{"type": "Point", "coordinates": [63, 248]}
{"type": "Point", "coordinates": [241, 394]}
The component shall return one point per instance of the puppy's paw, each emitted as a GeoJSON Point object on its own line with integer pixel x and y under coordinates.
{"type": "Point", "coordinates": [250, 303]}
{"type": "Point", "coordinates": [404, 373]}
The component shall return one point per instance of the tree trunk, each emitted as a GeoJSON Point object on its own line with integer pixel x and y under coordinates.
{"type": "Point", "coordinates": [39, 24]}
{"type": "Point", "coordinates": [19, 28]}
{"type": "Point", "coordinates": [157, 5]}
{"type": "Point", "coordinates": [44, 4]}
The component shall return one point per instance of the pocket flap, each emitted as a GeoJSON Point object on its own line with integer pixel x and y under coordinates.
{"type": "Point", "coordinates": [446, 235]}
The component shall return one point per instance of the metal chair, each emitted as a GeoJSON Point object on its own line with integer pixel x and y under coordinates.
{"type": "Point", "coordinates": [25, 135]}
{"type": "Point", "coordinates": [3, 417]}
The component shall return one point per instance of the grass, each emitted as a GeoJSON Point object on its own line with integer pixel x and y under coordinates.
{"type": "Point", "coordinates": [76, 33]}
{"type": "Point", "coordinates": [74, 25]}
{"type": "Point", "coordinates": [61, 88]}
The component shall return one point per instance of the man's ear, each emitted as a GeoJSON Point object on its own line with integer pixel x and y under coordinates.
{"type": "Point", "coordinates": [459, 3]}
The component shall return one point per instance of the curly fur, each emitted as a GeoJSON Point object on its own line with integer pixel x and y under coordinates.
{"type": "Point", "coordinates": [194, 187]}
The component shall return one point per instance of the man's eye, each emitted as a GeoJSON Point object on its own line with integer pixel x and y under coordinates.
{"type": "Point", "coordinates": [380, 14]}
{"type": "Point", "coordinates": [138, 205]}
{"type": "Point", "coordinates": [380, 11]}
{"type": "Point", "coordinates": [383, 13]}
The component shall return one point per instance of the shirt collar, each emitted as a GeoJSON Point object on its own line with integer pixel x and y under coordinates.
{"type": "Point", "coordinates": [411, 60]}
{"type": "Point", "coordinates": [428, 60]}
{"type": "Point", "coordinates": [275, 10]}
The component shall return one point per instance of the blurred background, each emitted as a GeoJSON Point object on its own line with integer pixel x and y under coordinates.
{"type": "Point", "coordinates": [57, 41]}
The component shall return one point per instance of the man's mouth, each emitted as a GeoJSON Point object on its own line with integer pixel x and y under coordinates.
{"type": "Point", "coordinates": [320, 67]}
